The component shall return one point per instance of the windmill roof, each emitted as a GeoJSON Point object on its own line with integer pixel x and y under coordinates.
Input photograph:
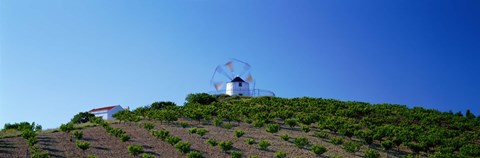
{"type": "Point", "coordinates": [237, 79]}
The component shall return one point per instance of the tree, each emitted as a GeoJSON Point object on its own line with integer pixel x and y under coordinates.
{"type": "Point", "coordinates": [162, 105]}
{"type": "Point", "coordinates": [66, 127]}
{"type": "Point", "coordinates": [82, 117]}
{"type": "Point", "coordinates": [201, 98]}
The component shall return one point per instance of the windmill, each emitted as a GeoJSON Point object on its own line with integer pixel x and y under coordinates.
{"type": "Point", "coordinates": [235, 78]}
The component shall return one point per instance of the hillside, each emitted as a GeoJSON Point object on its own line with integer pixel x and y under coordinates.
{"type": "Point", "coordinates": [345, 129]}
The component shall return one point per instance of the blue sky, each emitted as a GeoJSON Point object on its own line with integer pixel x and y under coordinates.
{"type": "Point", "coordinates": [58, 58]}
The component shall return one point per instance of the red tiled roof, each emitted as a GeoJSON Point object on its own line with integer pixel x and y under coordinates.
{"type": "Point", "coordinates": [104, 108]}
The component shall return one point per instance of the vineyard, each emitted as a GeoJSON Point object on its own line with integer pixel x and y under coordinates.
{"type": "Point", "coordinates": [233, 126]}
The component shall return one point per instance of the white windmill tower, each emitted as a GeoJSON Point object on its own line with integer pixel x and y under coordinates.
{"type": "Point", "coordinates": [235, 72]}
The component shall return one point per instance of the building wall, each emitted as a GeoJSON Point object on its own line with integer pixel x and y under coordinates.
{"type": "Point", "coordinates": [107, 114]}
{"type": "Point", "coordinates": [234, 88]}
{"type": "Point", "coordinates": [113, 111]}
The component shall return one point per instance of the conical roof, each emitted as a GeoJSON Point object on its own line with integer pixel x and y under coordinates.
{"type": "Point", "coordinates": [237, 79]}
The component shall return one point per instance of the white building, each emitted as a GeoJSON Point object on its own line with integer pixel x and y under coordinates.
{"type": "Point", "coordinates": [238, 87]}
{"type": "Point", "coordinates": [107, 112]}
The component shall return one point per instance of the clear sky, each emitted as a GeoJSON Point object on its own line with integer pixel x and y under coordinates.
{"type": "Point", "coordinates": [58, 58]}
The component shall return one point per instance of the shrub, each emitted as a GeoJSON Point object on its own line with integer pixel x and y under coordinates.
{"type": "Point", "coordinates": [172, 140]}
{"type": "Point", "coordinates": [162, 134]}
{"type": "Point", "coordinates": [193, 130]}
{"type": "Point", "coordinates": [195, 154]}
{"type": "Point", "coordinates": [291, 122]}
{"type": "Point", "coordinates": [236, 154]}
{"type": "Point", "coordinates": [253, 156]}
{"type": "Point", "coordinates": [183, 147]}
{"type": "Point", "coordinates": [285, 137]}
{"type": "Point", "coordinates": [264, 144]}
{"type": "Point", "coordinates": [212, 142]}
{"type": "Point", "coordinates": [40, 154]}
{"type": "Point", "coordinates": [319, 149]}
{"type": "Point", "coordinates": [217, 122]}
{"type": "Point", "coordinates": [228, 126]}
{"type": "Point", "coordinates": [202, 131]}
{"type": "Point", "coordinates": [351, 147]}
{"type": "Point", "coordinates": [91, 156]}
{"type": "Point", "coordinates": [239, 133]}
{"type": "Point", "coordinates": [250, 141]}
{"type": "Point", "coordinates": [258, 123]}
{"type": "Point", "coordinates": [280, 154]}
{"type": "Point", "coordinates": [225, 145]}
{"type": "Point", "coordinates": [148, 126]}
{"type": "Point", "coordinates": [301, 142]}
{"type": "Point", "coordinates": [184, 125]}
{"type": "Point", "coordinates": [82, 117]}
{"type": "Point", "coordinates": [82, 145]}
{"type": "Point", "coordinates": [27, 134]}
{"type": "Point", "coordinates": [471, 150]}
{"type": "Point", "coordinates": [387, 145]}
{"type": "Point", "coordinates": [273, 128]}
{"type": "Point", "coordinates": [32, 141]}
{"type": "Point", "coordinates": [135, 150]}
{"type": "Point", "coordinates": [66, 127]}
{"type": "Point", "coordinates": [124, 137]}
{"type": "Point", "coordinates": [78, 134]}
{"type": "Point", "coordinates": [321, 134]}
{"type": "Point", "coordinates": [336, 141]}
{"type": "Point", "coordinates": [370, 153]}
{"type": "Point", "coordinates": [145, 155]}
{"type": "Point", "coordinates": [305, 128]}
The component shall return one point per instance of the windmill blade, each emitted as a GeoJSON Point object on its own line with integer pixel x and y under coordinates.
{"type": "Point", "coordinates": [249, 78]}
{"type": "Point", "coordinates": [220, 70]}
{"type": "Point", "coordinates": [229, 65]}
{"type": "Point", "coordinates": [218, 85]}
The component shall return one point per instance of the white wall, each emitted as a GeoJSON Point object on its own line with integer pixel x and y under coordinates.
{"type": "Point", "coordinates": [107, 115]}
{"type": "Point", "coordinates": [233, 88]}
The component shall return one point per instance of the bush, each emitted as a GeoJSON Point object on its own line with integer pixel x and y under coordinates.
{"type": "Point", "coordinates": [66, 127]}
{"type": "Point", "coordinates": [225, 145]}
{"type": "Point", "coordinates": [161, 134]}
{"type": "Point", "coordinates": [32, 141]}
{"type": "Point", "coordinates": [91, 156]}
{"type": "Point", "coordinates": [319, 149]}
{"type": "Point", "coordinates": [212, 142]}
{"type": "Point", "coordinates": [253, 156]}
{"type": "Point", "coordinates": [183, 147]}
{"type": "Point", "coordinates": [370, 153]}
{"type": "Point", "coordinates": [202, 131]}
{"type": "Point", "coordinates": [27, 134]}
{"type": "Point", "coordinates": [145, 155]}
{"type": "Point", "coordinates": [82, 117]}
{"type": "Point", "coordinates": [228, 126]}
{"type": "Point", "coordinates": [263, 144]}
{"type": "Point", "coordinates": [321, 134]}
{"type": "Point", "coordinates": [78, 134]}
{"type": "Point", "coordinates": [280, 154]}
{"type": "Point", "coordinates": [387, 145]}
{"type": "Point", "coordinates": [236, 154]}
{"type": "Point", "coordinates": [195, 154]}
{"type": "Point", "coordinates": [193, 130]}
{"type": "Point", "coordinates": [217, 122]}
{"type": "Point", "coordinates": [201, 98]}
{"type": "Point", "coordinates": [172, 140]}
{"type": "Point", "coordinates": [148, 126]}
{"type": "Point", "coordinates": [301, 142]}
{"type": "Point", "coordinates": [305, 128]}
{"type": "Point", "coordinates": [184, 125]}
{"type": "Point", "coordinates": [258, 123]}
{"type": "Point", "coordinates": [40, 154]}
{"type": "Point", "coordinates": [285, 137]}
{"type": "Point", "coordinates": [336, 141]}
{"type": "Point", "coordinates": [82, 145]}
{"type": "Point", "coordinates": [250, 141]}
{"type": "Point", "coordinates": [239, 133]}
{"type": "Point", "coordinates": [135, 150]}
{"type": "Point", "coordinates": [124, 137]}
{"type": "Point", "coordinates": [291, 122]}
{"type": "Point", "coordinates": [273, 128]}
{"type": "Point", "coordinates": [351, 147]}
{"type": "Point", "coordinates": [472, 150]}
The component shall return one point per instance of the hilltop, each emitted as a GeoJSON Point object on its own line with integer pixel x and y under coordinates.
{"type": "Point", "coordinates": [298, 127]}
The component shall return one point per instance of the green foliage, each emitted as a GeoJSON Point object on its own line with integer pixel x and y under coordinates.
{"type": "Point", "coordinates": [202, 131]}
{"type": "Point", "coordinates": [183, 147]}
{"type": "Point", "coordinates": [201, 98]}
{"type": "Point", "coordinates": [145, 155]}
{"type": "Point", "coordinates": [228, 126]}
{"type": "Point", "coordinates": [371, 153]}
{"type": "Point", "coordinates": [226, 145]}
{"type": "Point", "coordinates": [66, 127]}
{"type": "Point", "coordinates": [263, 144]}
{"type": "Point", "coordinates": [124, 137]}
{"type": "Point", "coordinates": [148, 126]}
{"type": "Point", "coordinates": [472, 150]}
{"type": "Point", "coordinates": [285, 137]}
{"type": "Point", "coordinates": [272, 128]}
{"type": "Point", "coordinates": [82, 117]}
{"type": "Point", "coordinates": [212, 142]}
{"type": "Point", "coordinates": [319, 149]}
{"type": "Point", "coordinates": [91, 156]}
{"type": "Point", "coordinates": [40, 154]}
{"type": "Point", "coordinates": [250, 141]}
{"type": "Point", "coordinates": [184, 124]}
{"type": "Point", "coordinates": [239, 133]}
{"type": "Point", "coordinates": [280, 154]}
{"type": "Point", "coordinates": [27, 134]}
{"type": "Point", "coordinates": [291, 122]}
{"type": "Point", "coordinates": [78, 134]}
{"type": "Point", "coordinates": [161, 134]}
{"type": "Point", "coordinates": [195, 154]}
{"type": "Point", "coordinates": [172, 140]}
{"type": "Point", "coordinates": [236, 154]}
{"type": "Point", "coordinates": [336, 141]}
{"type": "Point", "coordinates": [135, 150]}
{"type": "Point", "coordinates": [217, 122]}
{"type": "Point", "coordinates": [305, 128]}
{"type": "Point", "coordinates": [387, 145]}
{"type": "Point", "coordinates": [193, 130]}
{"type": "Point", "coordinates": [351, 146]}
{"type": "Point", "coordinates": [301, 142]}
{"type": "Point", "coordinates": [321, 134]}
{"type": "Point", "coordinates": [253, 156]}
{"type": "Point", "coordinates": [162, 105]}
{"type": "Point", "coordinates": [258, 123]}
{"type": "Point", "coordinates": [82, 145]}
